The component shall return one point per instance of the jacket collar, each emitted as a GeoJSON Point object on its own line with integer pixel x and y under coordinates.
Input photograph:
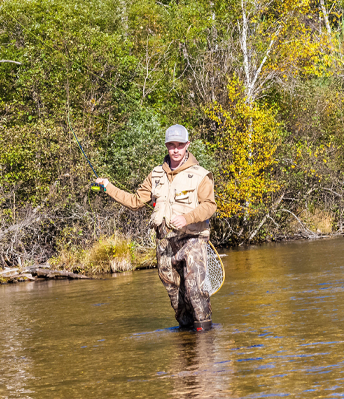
{"type": "Point", "coordinates": [190, 162]}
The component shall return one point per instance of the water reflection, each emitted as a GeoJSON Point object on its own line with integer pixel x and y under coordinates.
{"type": "Point", "coordinates": [278, 332]}
{"type": "Point", "coordinates": [198, 372]}
{"type": "Point", "coordinates": [16, 375]}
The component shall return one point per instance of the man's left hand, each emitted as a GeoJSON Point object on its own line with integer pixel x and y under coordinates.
{"type": "Point", "coordinates": [178, 221]}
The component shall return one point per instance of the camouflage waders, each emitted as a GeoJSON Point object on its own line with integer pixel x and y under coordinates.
{"type": "Point", "coordinates": [182, 262]}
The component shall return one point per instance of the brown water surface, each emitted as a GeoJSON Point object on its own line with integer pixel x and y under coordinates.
{"type": "Point", "coordinates": [278, 333]}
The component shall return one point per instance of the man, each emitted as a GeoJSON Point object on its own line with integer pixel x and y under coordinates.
{"type": "Point", "coordinates": [182, 194]}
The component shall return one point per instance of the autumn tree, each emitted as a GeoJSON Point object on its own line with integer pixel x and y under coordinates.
{"type": "Point", "coordinates": [246, 142]}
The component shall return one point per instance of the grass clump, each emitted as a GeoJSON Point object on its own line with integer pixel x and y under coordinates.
{"type": "Point", "coordinates": [107, 255]}
{"type": "Point", "coordinates": [145, 257]}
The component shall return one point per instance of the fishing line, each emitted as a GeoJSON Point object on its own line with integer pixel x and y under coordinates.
{"type": "Point", "coordinates": [81, 149]}
{"type": "Point", "coordinates": [94, 186]}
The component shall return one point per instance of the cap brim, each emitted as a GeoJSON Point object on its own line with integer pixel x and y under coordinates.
{"type": "Point", "coordinates": [176, 139]}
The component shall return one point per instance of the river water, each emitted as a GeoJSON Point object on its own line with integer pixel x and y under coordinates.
{"type": "Point", "coordinates": [278, 332]}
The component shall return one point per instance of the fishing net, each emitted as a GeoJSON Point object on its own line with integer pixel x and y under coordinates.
{"type": "Point", "coordinates": [215, 275]}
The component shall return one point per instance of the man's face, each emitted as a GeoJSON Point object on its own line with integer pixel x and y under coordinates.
{"type": "Point", "coordinates": [176, 150]}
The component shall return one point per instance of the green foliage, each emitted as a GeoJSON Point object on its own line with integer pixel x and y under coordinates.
{"type": "Point", "coordinates": [204, 155]}
{"type": "Point", "coordinates": [135, 148]}
{"type": "Point", "coordinates": [124, 71]}
{"type": "Point", "coordinates": [312, 156]}
{"type": "Point", "coordinates": [36, 157]}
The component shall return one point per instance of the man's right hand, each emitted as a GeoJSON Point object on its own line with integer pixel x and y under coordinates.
{"type": "Point", "coordinates": [103, 182]}
{"type": "Point", "coordinates": [178, 221]}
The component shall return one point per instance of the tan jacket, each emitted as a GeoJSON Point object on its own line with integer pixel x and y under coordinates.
{"type": "Point", "coordinates": [205, 194]}
{"type": "Point", "coordinates": [178, 197]}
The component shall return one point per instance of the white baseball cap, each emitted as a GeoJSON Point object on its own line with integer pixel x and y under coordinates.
{"type": "Point", "coordinates": [177, 133]}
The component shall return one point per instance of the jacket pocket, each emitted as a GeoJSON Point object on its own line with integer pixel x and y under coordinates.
{"type": "Point", "coordinates": [184, 196]}
{"type": "Point", "coordinates": [157, 185]}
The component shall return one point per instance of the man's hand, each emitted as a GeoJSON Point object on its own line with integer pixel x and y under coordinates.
{"type": "Point", "coordinates": [178, 221]}
{"type": "Point", "coordinates": [103, 182]}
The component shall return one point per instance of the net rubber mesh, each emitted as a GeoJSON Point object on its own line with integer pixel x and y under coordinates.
{"type": "Point", "coordinates": [215, 274]}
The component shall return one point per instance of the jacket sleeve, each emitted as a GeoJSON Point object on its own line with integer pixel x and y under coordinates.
{"type": "Point", "coordinates": [132, 201]}
{"type": "Point", "coordinates": [207, 204]}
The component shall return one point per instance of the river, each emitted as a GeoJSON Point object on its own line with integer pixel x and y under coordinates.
{"type": "Point", "coordinates": [278, 332]}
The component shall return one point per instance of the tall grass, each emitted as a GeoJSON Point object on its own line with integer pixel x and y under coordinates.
{"type": "Point", "coordinates": [107, 255]}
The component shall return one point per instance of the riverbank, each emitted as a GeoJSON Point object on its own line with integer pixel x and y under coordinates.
{"type": "Point", "coordinates": [114, 254]}
{"type": "Point", "coordinates": [69, 266]}
{"type": "Point", "coordinates": [13, 275]}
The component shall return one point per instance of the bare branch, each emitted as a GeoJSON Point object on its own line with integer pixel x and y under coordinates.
{"type": "Point", "coordinates": [273, 221]}
{"type": "Point", "coordinates": [262, 64]}
{"type": "Point", "coordinates": [257, 229]}
{"type": "Point", "coordinates": [162, 4]}
{"type": "Point", "coordinates": [310, 233]}
{"type": "Point", "coordinates": [273, 208]}
{"type": "Point", "coordinates": [333, 192]}
{"type": "Point", "coordinates": [13, 62]}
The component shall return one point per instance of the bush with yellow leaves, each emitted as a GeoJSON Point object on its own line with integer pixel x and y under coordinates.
{"type": "Point", "coordinates": [245, 141]}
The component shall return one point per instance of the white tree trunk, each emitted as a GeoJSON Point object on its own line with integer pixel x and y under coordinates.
{"type": "Point", "coordinates": [325, 14]}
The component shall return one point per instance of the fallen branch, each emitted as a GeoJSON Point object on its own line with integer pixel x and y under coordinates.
{"type": "Point", "coordinates": [13, 275]}
{"type": "Point", "coordinates": [9, 271]}
{"type": "Point", "coordinates": [19, 226]}
{"type": "Point", "coordinates": [47, 273]}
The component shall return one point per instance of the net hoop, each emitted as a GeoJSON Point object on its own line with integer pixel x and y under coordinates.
{"type": "Point", "coordinates": [223, 268]}
{"type": "Point", "coordinates": [220, 268]}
